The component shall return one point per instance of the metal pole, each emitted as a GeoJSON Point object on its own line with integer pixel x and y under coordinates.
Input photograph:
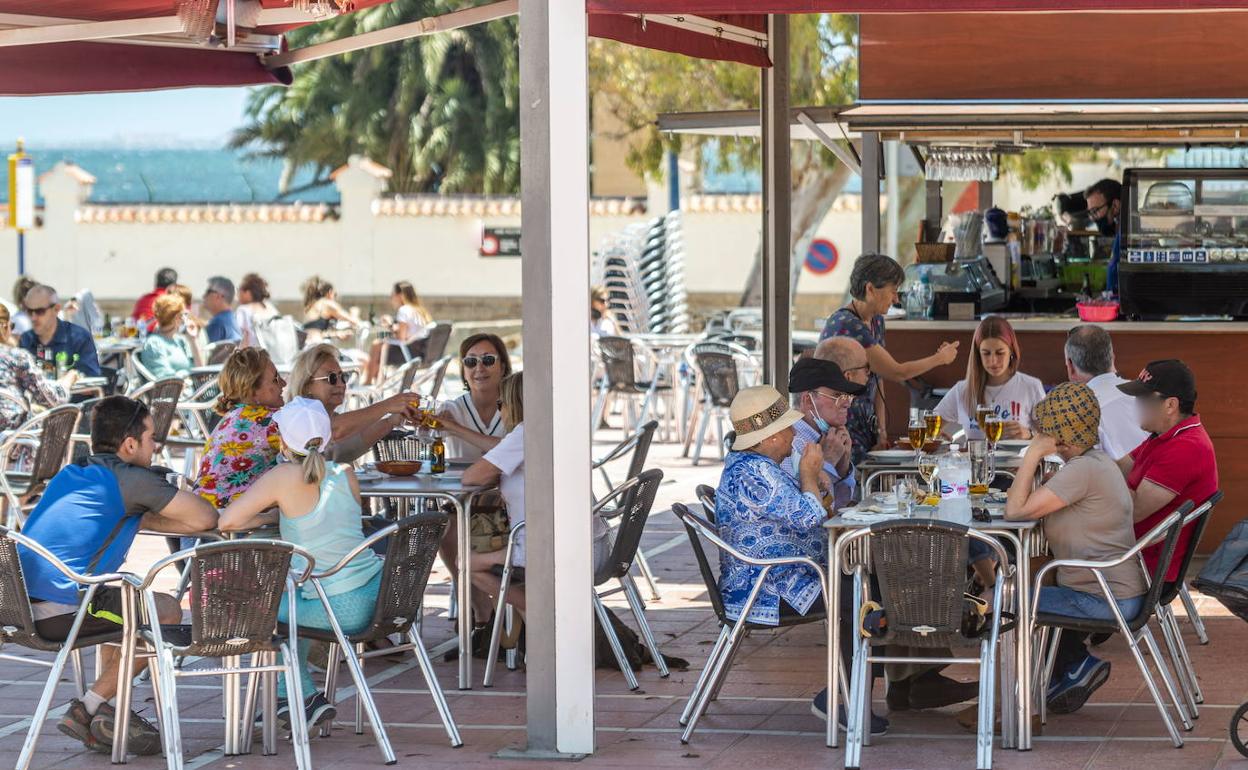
{"type": "Point", "coordinates": [777, 189]}
{"type": "Point", "coordinates": [554, 155]}
{"type": "Point", "coordinates": [870, 192]}
{"type": "Point", "coordinates": [892, 181]}
{"type": "Point", "coordinates": [21, 252]}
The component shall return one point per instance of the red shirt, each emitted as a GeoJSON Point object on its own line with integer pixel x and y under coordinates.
{"type": "Point", "coordinates": [1182, 461]}
{"type": "Point", "coordinates": [144, 308]}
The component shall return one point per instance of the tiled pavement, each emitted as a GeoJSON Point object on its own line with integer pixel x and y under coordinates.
{"type": "Point", "coordinates": [762, 717]}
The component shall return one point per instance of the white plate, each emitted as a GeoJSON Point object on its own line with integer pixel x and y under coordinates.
{"type": "Point", "coordinates": [1013, 443]}
{"type": "Point", "coordinates": [896, 455]}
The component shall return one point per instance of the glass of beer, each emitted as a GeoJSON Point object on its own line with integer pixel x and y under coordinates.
{"type": "Point", "coordinates": [932, 421]}
{"type": "Point", "coordinates": [927, 470]}
{"type": "Point", "coordinates": [994, 428]}
{"type": "Point", "coordinates": [918, 436]}
{"type": "Point", "coordinates": [982, 471]}
{"type": "Point", "coordinates": [982, 413]}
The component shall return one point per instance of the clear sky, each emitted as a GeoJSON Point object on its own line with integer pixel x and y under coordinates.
{"type": "Point", "coordinates": [198, 116]}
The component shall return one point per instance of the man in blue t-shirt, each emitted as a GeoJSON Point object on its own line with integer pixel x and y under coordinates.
{"type": "Point", "coordinates": [88, 518]}
{"type": "Point", "coordinates": [49, 336]}
{"type": "Point", "coordinates": [219, 301]}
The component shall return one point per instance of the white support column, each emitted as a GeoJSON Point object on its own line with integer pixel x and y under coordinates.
{"type": "Point", "coordinates": [554, 156]}
{"type": "Point", "coordinates": [870, 192]}
{"type": "Point", "coordinates": [777, 197]}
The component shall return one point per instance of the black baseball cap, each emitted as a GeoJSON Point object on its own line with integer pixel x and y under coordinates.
{"type": "Point", "coordinates": [1169, 379]}
{"type": "Point", "coordinates": [810, 373]}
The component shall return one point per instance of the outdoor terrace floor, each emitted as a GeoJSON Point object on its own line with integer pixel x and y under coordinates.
{"type": "Point", "coordinates": [763, 716]}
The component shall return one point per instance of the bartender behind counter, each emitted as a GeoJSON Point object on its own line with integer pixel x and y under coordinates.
{"type": "Point", "coordinates": [1104, 209]}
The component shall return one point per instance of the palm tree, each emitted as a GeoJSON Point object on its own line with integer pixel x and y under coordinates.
{"type": "Point", "coordinates": [439, 111]}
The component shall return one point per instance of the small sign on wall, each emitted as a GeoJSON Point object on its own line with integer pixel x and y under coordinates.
{"type": "Point", "coordinates": [822, 256]}
{"type": "Point", "coordinates": [500, 242]}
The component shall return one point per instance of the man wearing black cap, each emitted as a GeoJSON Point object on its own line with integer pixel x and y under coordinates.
{"type": "Point", "coordinates": [1176, 462]}
{"type": "Point", "coordinates": [822, 394]}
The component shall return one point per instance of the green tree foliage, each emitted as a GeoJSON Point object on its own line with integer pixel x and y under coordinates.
{"type": "Point", "coordinates": [440, 111]}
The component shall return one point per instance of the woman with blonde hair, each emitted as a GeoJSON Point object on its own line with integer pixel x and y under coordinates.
{"type": "Point", "coordinates": [318, 501]}
{"type": "Point", "coordinates": [166, 351]}
{"type": "Point", "coordinates": [410, 324]}
{"type": "Point", "coordinates": [245, 442]}
{"type": "Point", "coordinates": [318, 374]}
{"type": "Point", "coordinates": [22, 378]}
{"type": "Point", "coordinates": [993, 381]}
{"type": "Point", "coordinates": [321, 311]}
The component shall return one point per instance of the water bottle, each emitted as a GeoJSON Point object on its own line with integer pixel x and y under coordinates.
{"type": "Point", "coordinates": [954, 472]}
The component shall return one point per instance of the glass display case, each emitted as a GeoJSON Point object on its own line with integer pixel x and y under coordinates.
{"type": "Point", "coordinates": [1184, 247]}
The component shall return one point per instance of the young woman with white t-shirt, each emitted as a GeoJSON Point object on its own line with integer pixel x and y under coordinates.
{"type": "Point", "coordinates": [411, 323]}
{"type": "Point", "coordinates": [992, 380]}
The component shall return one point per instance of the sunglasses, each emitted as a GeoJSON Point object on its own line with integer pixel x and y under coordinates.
{"type": "Point", "coordinates": [35, 312]}
{"type": "Point", "coordinates": [838, 399]}
{"type": "Point", "coordinates": [487, 360]}
{"type": "Point", "coordinates": [333, 378]}
{"type": "Point", "coordinates": [864, 367]}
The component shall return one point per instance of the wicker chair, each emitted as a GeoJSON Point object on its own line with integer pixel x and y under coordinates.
{"type": "Point", "coordinates": [636, 498]}
{"type": "Point", "coordinates": [1198, 519]}
{"type": "Point", "coordinates": [161, 398]}
{"type": "Point", "coordinates": [1134, 630]}
{"type": "Point", "coordinates": [17, 626]}
{"type": "Point", "coordinates": [731, 630]}
{"type": "Point", "coordinates": [710, 394]}
{"type": "Point", "coordinates": [410, 553]}
{"type": "Point", "coordinates": [619, 364]}
{"type": "Point", "coordinates": [639, 445]}
{"type": "Point", "coordinates": [921, 568]}
{"type": "Point", "coordinates": [235, 591]}
{"type": "Point", "coordinates": [218, 352]}
{"type": "Point", "coordinates": [49, 435]}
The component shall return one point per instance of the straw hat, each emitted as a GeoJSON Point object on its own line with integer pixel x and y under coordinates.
{"type": "Point", "coordinates": [1070, 413]}
{"type": "Point", "coordinates": [757, 413]}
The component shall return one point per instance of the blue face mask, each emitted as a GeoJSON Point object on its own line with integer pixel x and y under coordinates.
{"type": "Point", "coordinates": [823, 425]}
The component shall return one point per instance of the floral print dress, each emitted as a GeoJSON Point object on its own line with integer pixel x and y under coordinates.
{"type": "Point", "coordinates": [21, 376]}
{"type": "Point", "coordinates": [862, 423]}
{"type": "Point", "coordinates": [243, 446]}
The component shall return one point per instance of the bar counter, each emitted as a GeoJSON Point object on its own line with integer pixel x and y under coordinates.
{"type": "Point", "coordinates": [1217, 352]}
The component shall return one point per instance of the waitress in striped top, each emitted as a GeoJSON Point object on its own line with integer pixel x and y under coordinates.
{"type": "Point", "coordinates": [473, 422]}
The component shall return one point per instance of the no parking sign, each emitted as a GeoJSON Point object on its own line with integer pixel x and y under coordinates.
{"type": "Point", "coordinates": [822, 256]}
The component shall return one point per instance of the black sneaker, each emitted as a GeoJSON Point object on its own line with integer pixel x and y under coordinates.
{"type": "Point", "coordinates": [1069, 691]}
{"type": "Point", "coordinates": [317, 710]}
{"type": "Point", "coordinates": [76, 723]}
{"type": "Point", "coordinates": [819, 707]}
{"type": "Point", "coordinates": [142, 739]}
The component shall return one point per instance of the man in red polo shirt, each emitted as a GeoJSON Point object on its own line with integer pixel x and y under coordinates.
{"type": "Point", "coordinates": [1176, 462]}
{"type": "Point", "coordinates": [143, 307]}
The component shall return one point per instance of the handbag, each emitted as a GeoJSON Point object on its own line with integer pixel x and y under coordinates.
{"type": "Point", "coordinates": [489, 526]}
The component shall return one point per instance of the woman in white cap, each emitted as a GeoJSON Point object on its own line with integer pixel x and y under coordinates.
{"type": "Point", "coordinates": [319, 504]}
{"type": "Point", "coordinates": [766, 513]}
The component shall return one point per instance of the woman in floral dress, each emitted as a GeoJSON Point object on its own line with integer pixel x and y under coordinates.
{"type": "Point", "coordinates": [245, 443]}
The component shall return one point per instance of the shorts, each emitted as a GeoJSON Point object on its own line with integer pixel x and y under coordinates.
{"type": "Point", "coordinates": [103, 617]}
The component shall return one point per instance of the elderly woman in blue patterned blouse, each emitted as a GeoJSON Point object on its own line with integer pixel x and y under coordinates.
{"type": "Point", "coordinates": [766, 513]}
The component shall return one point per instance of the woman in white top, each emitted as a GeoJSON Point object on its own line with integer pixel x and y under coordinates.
{"type": "Point", "coordinates": [992, 380]}
{"type": "Point", "coordinates": [601, 324]}
{"type": "Point", "coordinates": [473, 422]}
{"type": "Point", "coordinates": [411, 323]}
{"type": "Point", "coordinates": [253, 307]}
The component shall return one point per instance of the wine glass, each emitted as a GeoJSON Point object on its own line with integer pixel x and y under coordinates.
{"type": "Point", "coordinates": [994, 428]}
{"type": "Point", "coordinates": [918, 435]}
{"type": "Point", "coordinates": [932, 422]}
{"type": "Point", "coordinates": [982, 413]}
{"type": "Point", "coordinates": [929, 472]}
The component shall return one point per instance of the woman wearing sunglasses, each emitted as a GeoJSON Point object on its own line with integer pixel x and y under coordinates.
{"type": "Point", "coordinates": [318, 374]}
{"type": "Point", "coordinates": [473, 422]}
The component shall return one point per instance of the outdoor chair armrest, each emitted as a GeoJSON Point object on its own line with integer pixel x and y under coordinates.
{"type": "Point", "coordinates": [621, 489]}
{"type": "Point", "coordinates": [1152, 536]}
{"type": "Point", "coordinates": [46, 555]}
{"type": "Point", "coordinates": [704, 530]}
{"type": "Point", "coordinates": [364, 544]}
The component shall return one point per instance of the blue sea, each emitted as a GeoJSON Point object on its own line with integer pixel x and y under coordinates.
{"type": "Point", "coordinates": [163, 175]}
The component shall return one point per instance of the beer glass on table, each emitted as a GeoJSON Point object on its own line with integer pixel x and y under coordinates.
{"type": "Point", "coordinates": [983, 468]}
{"type": "Point", "coordinates": [932, 422]}
{"type": "Point", "coordinates": [918, 435]}
{"type": "Point", "coordinates": [928, 471]}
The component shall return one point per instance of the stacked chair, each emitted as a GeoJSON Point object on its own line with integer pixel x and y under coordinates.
{"type": "Point", "coordinates": [643, 271]}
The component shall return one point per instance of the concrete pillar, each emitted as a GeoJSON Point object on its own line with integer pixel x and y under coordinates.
{"type": "Point", "coordinates": [52, 249]}
{"type": "Point", "coordinates": [777, 212]}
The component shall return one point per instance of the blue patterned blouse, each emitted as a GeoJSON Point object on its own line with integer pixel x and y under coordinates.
{"type": "Point", "coordinates": [861, 424]}
{"type": "Point", "coordinates": [762, 512]}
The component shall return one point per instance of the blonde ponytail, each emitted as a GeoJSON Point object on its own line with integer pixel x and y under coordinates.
{"type": "Point", "coordinates": [314, 470]}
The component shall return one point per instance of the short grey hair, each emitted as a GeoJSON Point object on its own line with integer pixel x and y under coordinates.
{"type": "Point", "coordinates": [223, 286]}
{"type": "Point", "coordinates": [1090, 349]}
{"type": "Point", "coordinates": [842, 351]}
{"type": "Point", "coordinates": [42, 290]}
{"type": "Point", "coordinates": [879, 270]}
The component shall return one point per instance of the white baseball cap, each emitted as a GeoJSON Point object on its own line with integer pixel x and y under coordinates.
{"type": "Point", "coordinates": [303, 422]}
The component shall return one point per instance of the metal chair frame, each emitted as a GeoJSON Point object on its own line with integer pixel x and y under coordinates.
{"type": "Point", "coordinates": [34, 434]}
{"type": "Point", "coordinates": [858, 712]}
{"type": "Point", "coordinates": [26, 635]}
{"type": "Point", "coordinates": [355, 654]}
{"type": "Point", "coordinates": [239, 713]}
{"type": "Point", "coordinates": [648, 391]}
{"type": "Point", "coordinates": [639, 445]}
{"type": "Point", "coordinates": [1167, 532]}
{"type": "Point", "coordinates": [731, 632]}
{"type": "Point", "coordinates": [696, 391]}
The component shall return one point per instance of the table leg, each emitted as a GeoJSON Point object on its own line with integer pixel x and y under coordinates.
{"type": "Point", "coordinates": [463, 511]}
{"type": "Point", "coordinates": [834, 640]}
{"type": "Point", "coordinates": [1008, 661]}
{"type": "Point", "coordinates": [1023, 630]}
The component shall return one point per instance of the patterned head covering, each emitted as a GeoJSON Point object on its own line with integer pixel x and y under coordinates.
{"type": "Point", "coordinates": [1070, 413]}
{"type": "Point", "coordinates": [757, 413]}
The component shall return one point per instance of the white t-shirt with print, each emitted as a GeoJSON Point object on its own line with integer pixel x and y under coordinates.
{"type": "Point", "coordinates": [1021, 389]}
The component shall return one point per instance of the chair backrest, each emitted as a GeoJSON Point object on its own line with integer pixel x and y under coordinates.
{"type": "Point", "coordinates": [161, 398]}
{"type": "Point", "coordinates": [439, 368]}
{"type": "Point", "coordinates": [1169, 539]}
{"type": "Point", "coordinates": [279, 337]}
{"type": "Point", "coordinates": [17, 623]}
{"type": "Point", "coordinates": [56, 430]}
{"type": "Point", "coordinates": [688, 518]}
{"type": "Point", "coordinates": [633, 511]}
{"type": "Point", "coordinates": [236, 588]}
{"type": "Point", "coordinates": [921, 568]}
{"type": "Point", "coordinates": [641, 450]}
{"type": "Point", "coordinates": [220, 351]}
{"type": "Point", "coordinates": [618, 362]}
{"type": "Point", "coordinates": [436, 342]}
{"type": "Point", "coordinates": [747, 341]}
{"type": "Point", "coordinates": [719, 376]}
{"type": "Point", "coordinates": [706, 496]}
{"type": "Point", "coordinates": [397, 445]}
{"type": "Point", "coordinates": [1171, 589]}
{"type": "Point", "coordinates": [405, 572]}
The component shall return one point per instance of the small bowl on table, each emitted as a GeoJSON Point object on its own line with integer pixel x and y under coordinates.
{"type": "Point", "coordinates": [399, 467]}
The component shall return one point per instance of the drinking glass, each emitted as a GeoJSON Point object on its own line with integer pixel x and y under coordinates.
{"type": "Point", "coordinates": [918, 436]}
{"type": "Point", "coordinates": [928, 470]}
{"type": "Point", "coordinates": [932, 422]}
{"type": "Point", "coordinates": [982, 413]}
{"type": "Point", "coordinates": [994, 428]}
{"type": "Point", "coordinates": [982, 467]}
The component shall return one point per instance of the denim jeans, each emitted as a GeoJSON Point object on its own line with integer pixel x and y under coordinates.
{"type": "Point", "coordinates": [1060, 600]}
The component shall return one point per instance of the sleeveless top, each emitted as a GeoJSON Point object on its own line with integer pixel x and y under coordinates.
{"type": "Point", "coordinates": [329, 531]}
